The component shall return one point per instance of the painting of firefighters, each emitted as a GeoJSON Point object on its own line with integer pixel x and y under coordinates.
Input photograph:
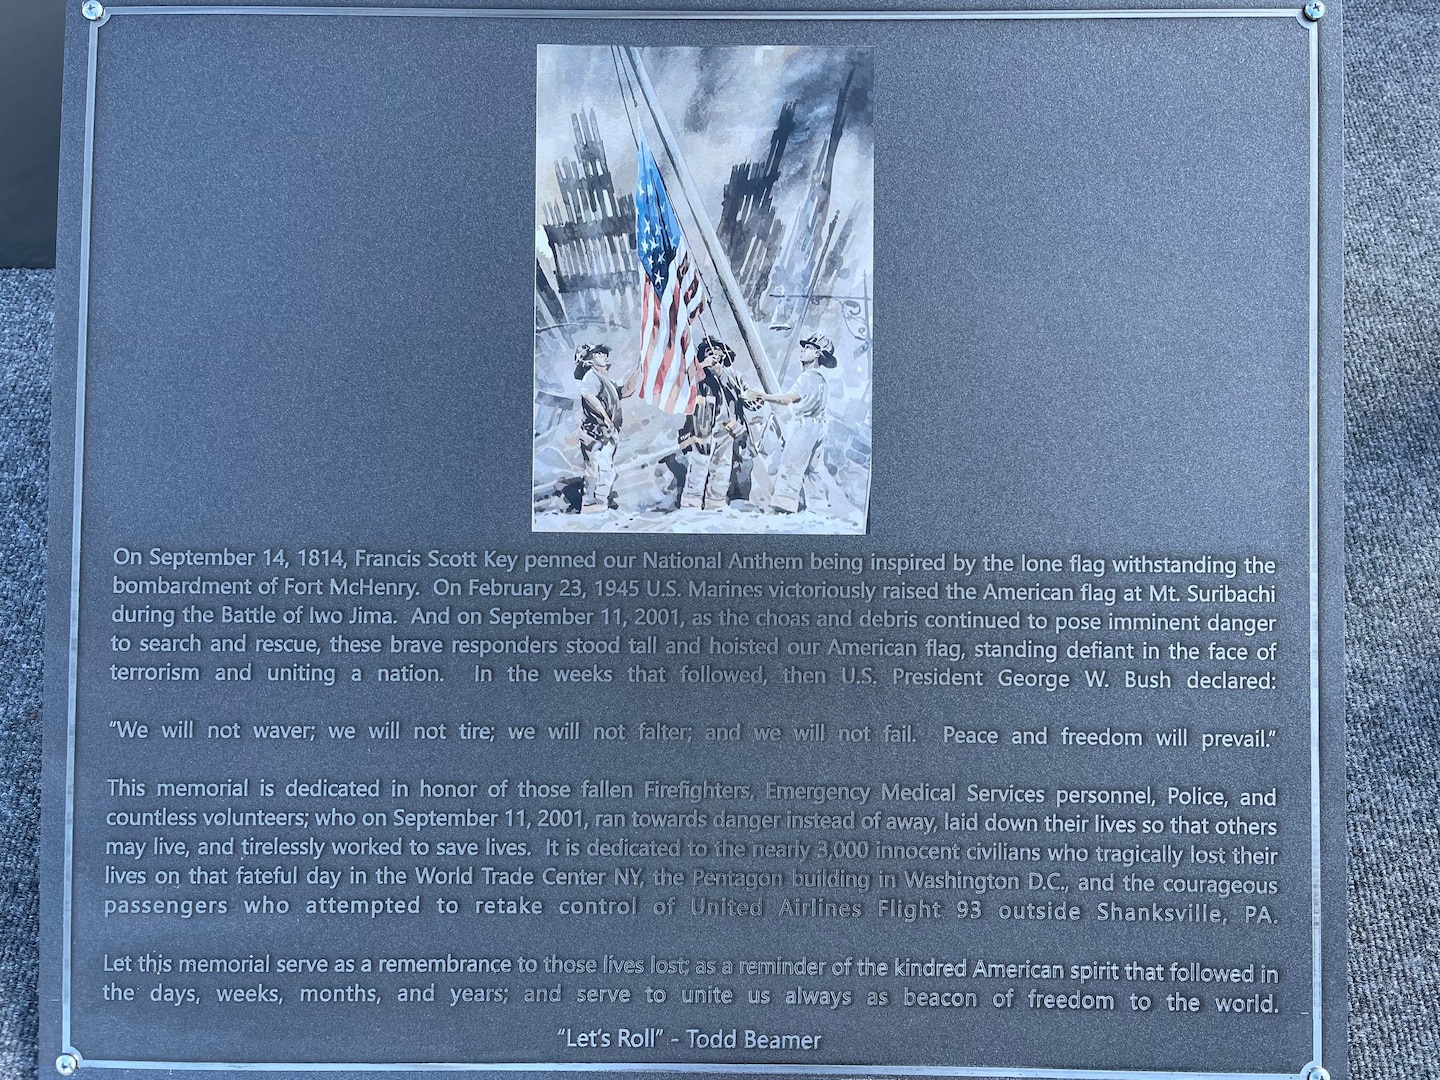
{"type": "Point", "coordinates": [703, 257]}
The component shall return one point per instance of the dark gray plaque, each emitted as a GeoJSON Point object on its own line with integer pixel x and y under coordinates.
{"type": "Point", "coordinates": [697, 541]}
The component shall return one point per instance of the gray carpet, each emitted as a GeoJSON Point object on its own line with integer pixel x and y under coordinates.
{"type": "Point", "coordinates": [1392, 373]}
{"type": "Point", "coordinates": [1392, 534]}
{"type": "Point", "coordinates": [25, 339]}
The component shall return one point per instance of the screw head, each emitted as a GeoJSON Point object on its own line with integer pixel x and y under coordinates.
{"type": "Point", "coordinates": [1315, 11]}
{"type": "Point", "coordinates": [1318, 1072]}
{"type": "Point", "coordinates": [66, 1064]}
{"type": "Point", "coordinates": [92, 10]}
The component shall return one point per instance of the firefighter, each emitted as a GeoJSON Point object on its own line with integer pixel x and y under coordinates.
{"type": "Point", "coordinates": [802, 461]}
{"type": "Point", "coordinates": [714, 427]}
{"type": "Point", "coordinates": [600, 421]}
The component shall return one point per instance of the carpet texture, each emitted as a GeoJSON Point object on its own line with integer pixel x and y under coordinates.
{"type": "Point", "coordinates": [1392, 438]}
{"type": "Point", "coordinates": [25, 340]}
{"type": "Point", "coordinates": [1392, 534]}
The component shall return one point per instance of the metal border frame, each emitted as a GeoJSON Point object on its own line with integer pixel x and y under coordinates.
{"type": "Point", "coordinates": [1308, 1071]}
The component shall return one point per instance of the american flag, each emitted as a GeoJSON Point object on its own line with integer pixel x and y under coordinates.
{"type": "Point", "coordinates": [672, 295]}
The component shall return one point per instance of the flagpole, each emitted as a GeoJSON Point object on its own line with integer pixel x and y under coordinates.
{"type": "Point", "coordinates": [749, 331]}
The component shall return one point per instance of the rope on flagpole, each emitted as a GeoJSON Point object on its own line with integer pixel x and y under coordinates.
{"type": "Point", "coordinates": [629, 119]}
{"type": "Point", "coordinates": [628, 84]}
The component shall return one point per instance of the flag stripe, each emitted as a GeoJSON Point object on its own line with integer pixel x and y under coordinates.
{"type": "Point", "coordinates": [672, 315]}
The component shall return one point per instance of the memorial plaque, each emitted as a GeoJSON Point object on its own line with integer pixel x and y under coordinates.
{"type": "Point", "coordinates": [697, 541]}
